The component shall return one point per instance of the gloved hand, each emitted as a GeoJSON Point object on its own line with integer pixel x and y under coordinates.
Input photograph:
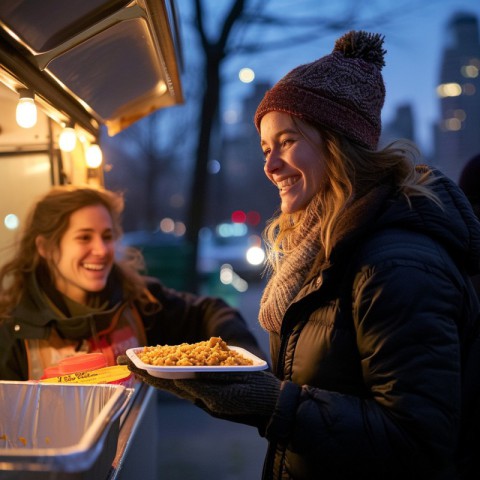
{"type": "Point", "coordinates": [225, 395]}
{"type": "Point", "coordinates": [234, 394]}
{"type": "Point", "coordinates": [160, 383]}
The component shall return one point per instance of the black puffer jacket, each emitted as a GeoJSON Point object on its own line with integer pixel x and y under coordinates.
{"type": "Point", "coordinates": [182, 317]}
{"type": "Point", "coordinates": [371, 352]}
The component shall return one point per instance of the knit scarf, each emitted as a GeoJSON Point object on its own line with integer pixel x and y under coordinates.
{"type": "Point", "coordinates": [285, 283]}
{"type": "Point", "coordinates": [294, 270]}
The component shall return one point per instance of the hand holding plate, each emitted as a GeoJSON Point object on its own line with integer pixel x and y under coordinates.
{"type": "Point", "coordinates": [237, 394]}
{"type": "Point", "coordinates": [160, 383]}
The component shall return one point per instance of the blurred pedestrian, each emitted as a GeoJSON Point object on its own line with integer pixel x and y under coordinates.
{"type": "Point", "coordinates": [65, 292]}
{"type": "Point", "coordinates": [470, 184]}
{"type": "Point", "coordinates": [368, 304]}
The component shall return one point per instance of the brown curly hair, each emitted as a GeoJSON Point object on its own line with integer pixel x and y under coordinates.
{"type": "Point", "coordinates": [49, 218]}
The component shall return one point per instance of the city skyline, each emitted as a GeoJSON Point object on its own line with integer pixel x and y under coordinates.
{"type": "Point", "coordinates": [457, 138]}
{"type": "Point", "coordinates": [414, 50]}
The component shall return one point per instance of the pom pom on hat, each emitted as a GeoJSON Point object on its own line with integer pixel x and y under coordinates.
{"type": "Point", "coordinates": [342, 91]}
{"type": "Point", "coordinates": [367, 46]}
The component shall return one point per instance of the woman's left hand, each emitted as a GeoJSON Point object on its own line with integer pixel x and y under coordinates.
{"type": "Point", "coordinates": [234, 394]}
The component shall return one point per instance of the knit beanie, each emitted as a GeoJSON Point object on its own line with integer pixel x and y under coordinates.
{"type": "Point", "coordinates": [342, 91]}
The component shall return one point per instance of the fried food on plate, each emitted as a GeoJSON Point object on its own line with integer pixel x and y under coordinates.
{"type": "Point", "coordinates": [213, 352]}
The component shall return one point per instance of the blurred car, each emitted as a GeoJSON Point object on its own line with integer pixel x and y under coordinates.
{"type": "Point", "coordinates": [228, 254]}
{"type": "Point", "coordinates": [233, 245]}
{"type": "Point", "coordinates": [166, 256]}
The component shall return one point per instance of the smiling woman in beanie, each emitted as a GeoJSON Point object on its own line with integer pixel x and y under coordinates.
{"type": "Point", "coordinates": [368, 304]}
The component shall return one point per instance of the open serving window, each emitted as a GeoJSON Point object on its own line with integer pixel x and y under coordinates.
{"type": "Point", "coordinates": [75, 66]}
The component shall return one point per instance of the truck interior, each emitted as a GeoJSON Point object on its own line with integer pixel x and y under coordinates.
{"type": "Point", "coordinates": [68, 70]}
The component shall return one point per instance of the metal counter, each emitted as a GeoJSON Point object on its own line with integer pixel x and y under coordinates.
{"type": "Point", "coordinates": [136, 455]}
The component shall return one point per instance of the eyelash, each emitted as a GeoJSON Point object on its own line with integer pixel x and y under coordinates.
{"type": "Point", "coordinates": [87, 238]}
{"type": "Point", "coordinates": [282, 143]}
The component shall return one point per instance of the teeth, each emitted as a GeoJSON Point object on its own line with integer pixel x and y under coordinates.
{"type": "Point", "coordinates": [93, 266]}
{"type": "Point", "coordinates": [287, 182]}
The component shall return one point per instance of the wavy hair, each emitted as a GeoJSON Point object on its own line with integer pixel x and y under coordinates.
{"type": "Point", "coordinates": [50, 218]}
{"type": "Point", "coordinates": [351, 171]}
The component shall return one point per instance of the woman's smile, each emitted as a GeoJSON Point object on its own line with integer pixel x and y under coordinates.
{"type": "Point", "coordinates": [96, 267]}
{"type": "Point", "coordinates": [287, 182]}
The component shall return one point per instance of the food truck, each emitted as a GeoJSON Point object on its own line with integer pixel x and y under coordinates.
{"type": "Point", "coordinates": [68, 71]}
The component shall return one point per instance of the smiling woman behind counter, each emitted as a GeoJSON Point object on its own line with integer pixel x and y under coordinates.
{"type": "Point", "coordinates": [64, 292]}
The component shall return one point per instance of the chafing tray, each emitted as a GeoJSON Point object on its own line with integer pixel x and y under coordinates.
{"type": "Point", "coordinates": [56, 431]}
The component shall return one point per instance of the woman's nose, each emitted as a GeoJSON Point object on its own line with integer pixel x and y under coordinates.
{"type": "Point", "coordinates": [99, 247]}
{"type": "Point", "coordinates": [272, 162]}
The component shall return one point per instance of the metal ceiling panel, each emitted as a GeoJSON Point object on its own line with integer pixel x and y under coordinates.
{"type": "Point", "coordinates": [118, 60]}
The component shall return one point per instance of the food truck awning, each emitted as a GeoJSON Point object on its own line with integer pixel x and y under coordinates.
{"type": "Point", "coordinates": [93, 62]}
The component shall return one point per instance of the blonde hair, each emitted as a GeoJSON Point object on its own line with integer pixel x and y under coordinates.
{"type": "Point", "coordinates": [351, 171]}
{"type": "Point", "coordinates": [49, 218]}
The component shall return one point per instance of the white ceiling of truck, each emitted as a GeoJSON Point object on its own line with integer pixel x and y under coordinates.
{"type": "Point", "coordinates": [117, 60]}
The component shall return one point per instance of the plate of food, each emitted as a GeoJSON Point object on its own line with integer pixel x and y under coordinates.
{"type": "Point", "coordinates": [186, 359]}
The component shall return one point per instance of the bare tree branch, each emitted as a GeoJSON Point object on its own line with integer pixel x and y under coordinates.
{"type": "Point", "coordinates": [311, 27]}
{"type": "Point", "coordinates": [199, 23]}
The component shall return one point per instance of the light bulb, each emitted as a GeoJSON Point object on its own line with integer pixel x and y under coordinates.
{"type": "Point", "coordinates": [26, 112]}
{"type": "Point", "coordinates": [94, 156]}
{"type": "Point", "coordinates": [68, 139]}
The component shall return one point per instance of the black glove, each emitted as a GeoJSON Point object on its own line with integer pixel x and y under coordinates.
{"type": "Point", "coordinates": [234, 394]}
{"type": "Point", "coordinates": [160, 383]}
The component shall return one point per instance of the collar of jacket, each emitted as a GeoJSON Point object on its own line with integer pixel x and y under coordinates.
{"type": "Point", "coordinates": [34, 317]}
{"type": "Point", "coordinates": [356, 224]}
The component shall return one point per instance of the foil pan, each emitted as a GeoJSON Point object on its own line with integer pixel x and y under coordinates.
{"type": "Point", "coordinates": [59, 431]}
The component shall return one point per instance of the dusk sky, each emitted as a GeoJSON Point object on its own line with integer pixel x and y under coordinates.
{"type": "Point", "coordinates": [414, 42]}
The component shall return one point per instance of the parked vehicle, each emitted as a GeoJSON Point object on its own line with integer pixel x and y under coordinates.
{"type": "Point", "coordinates": [167, 255]}
{"type": "Point", "coordinates": [240, 248]}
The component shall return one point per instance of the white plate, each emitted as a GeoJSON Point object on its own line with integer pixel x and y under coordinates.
{"type": "Point", "coordinates": [189, 372]}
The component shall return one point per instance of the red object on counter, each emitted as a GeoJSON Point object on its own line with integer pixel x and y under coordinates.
{"type": "Point", "coordinates": [88, 368]}
{"type": "Point", "coordinates": [82, 363]}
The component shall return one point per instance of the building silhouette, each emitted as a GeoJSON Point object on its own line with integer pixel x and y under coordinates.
{"type": "Point", "coordinates": [401, 126]}
{"type": "Point", "coordinates": [457, 133]}
{"type": "Point", "coordinates": [240, 183]}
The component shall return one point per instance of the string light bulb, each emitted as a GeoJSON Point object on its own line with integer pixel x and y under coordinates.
{"type": "Point", "coordinates": [67, 139]}
{"type": "Point", "coordinates": [94, 156]}
{"type": "Point", "coordinates": [26, 112]}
